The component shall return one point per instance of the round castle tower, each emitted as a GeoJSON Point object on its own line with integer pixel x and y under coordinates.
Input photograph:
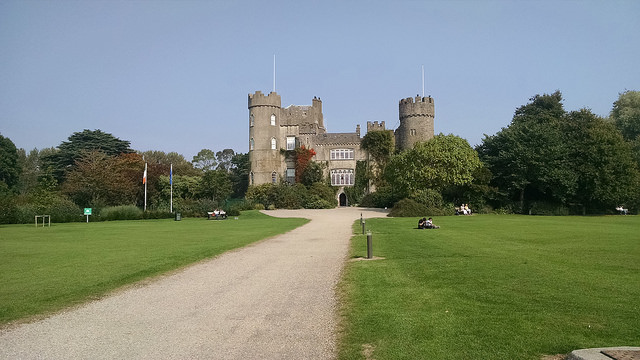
{"type": "Point", "coordinates": [264, 137]}
{"type": "Point", "coordinates": [416, 121]}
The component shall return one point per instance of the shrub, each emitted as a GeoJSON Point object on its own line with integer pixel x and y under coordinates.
{"type": "Point", "coordinates": [382, 198]}
{"type": "Point", "coordinates": [233, 212]}
{"type": "Point", "coordinates": [545, 208]}
{"type": "Point", "coordinates": [124, 212]}
{"type": "Point", "coordinates": [8, 210]}
{"type": "Point", "coordinates": [157, 214]}
{"type": "Point", "coordinates": [290, 196]}
{"type": "Point", "coordinates": [321, 196]}
{"type": "Point", "coordinates": [408, 208]}
{"type": "Point", "coordinates": [428, 197]}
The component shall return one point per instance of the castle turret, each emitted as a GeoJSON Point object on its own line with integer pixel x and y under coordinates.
{"type": "Point", "coordinates": [264, 137]}
{"type": "Point", "coordinates": [416, 121]}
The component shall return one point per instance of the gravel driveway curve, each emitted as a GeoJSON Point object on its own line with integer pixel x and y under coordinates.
{"type": "Point", "coordinates": [270, 300]}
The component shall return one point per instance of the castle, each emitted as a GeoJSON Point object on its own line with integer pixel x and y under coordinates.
{"type": "Point", "coordinates": [274, 129]}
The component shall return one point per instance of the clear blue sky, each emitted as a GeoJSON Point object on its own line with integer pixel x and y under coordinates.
{"type": "Point", "coordinates": [175, 75]}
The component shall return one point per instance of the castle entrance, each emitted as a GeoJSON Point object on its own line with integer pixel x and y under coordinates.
{"type": "Point", "coordinates": [343, 199]}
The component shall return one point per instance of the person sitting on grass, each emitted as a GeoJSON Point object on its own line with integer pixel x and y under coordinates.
{"type": "Point", "coordinates": [421, 223]}
{"type": "Point", "coordinates": [429, 224]}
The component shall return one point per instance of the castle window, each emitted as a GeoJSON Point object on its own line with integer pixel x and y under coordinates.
{"type": "Point", "coordinates": [413, 132]}
{"type": "Point", "coordinates": [274, 177]}
{"type": "Point", "coordinates": [291, 142]}
{"type": "Point", "coordinates": [291, 175]}
{"type": "Point", "coordinates": [273, 119]}
{"type": "Point", "coordinates": [273, 143]}
{"type": "Point", "coordinates": [342, 154]}
{"type": "Point", "coordinates": [251, 120]}
{"type": "Point", "coordinates": [251, 144]}
{"type": "Point", "coordinates": [251, 180]}
{"type": "Point", "coordinates": [342, 177]}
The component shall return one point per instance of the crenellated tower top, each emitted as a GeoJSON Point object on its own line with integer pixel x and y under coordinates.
{"type": "Point", "coordinates": [260, 99]}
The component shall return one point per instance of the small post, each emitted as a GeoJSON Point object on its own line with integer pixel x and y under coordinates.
{"type": "Point", "coordinates": [363, 226]}
{"type": "Point", "coordinates": [369, 247]}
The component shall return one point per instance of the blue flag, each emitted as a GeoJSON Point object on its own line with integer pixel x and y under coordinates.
{"type": "Point", "coordinates": [171, 175]}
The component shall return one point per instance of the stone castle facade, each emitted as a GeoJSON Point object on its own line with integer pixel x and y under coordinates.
{"type": "Point", "coordinates": [274, 129]}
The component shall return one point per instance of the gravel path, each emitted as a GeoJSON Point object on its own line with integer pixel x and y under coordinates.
{"type": "Point", "coordinates": [271, 300]}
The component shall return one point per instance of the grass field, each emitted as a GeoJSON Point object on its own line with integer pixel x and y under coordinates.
{"type": "Point", "coordinates": [46, 269]}
{"type": "Point", "coordinates": [492, 287]}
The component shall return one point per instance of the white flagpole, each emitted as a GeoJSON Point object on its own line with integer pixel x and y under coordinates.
{"type": "Point", "coordinates": [145, 186]}
{"type": "Point", "coordinates": [274, 72]}
{"type": "Point", "coordinates": [171, 178]}
{"type": "Point", "coordinates": [422, 80]}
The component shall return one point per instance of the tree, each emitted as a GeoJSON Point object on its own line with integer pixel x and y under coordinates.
{"type": "Point", "coordinates": [626, 116]}
{"type": "Point", "coordinates": [215, 184]}
{"type": "Point", "coordinates": [606, 173]}
{"type": "Point", "coordinates": [205, 160]}
{"type": "Point", "coordinates": [379, 145]}
{"type": "Point", "coordinates": [240, 168]}
{"type": "Point", "coordinates": [100, 180]}
{"type": "Point", "coordinates": [34, 174]}
{"type": "Point", "coordinates": [80, 143]}
{"type": "Point", "coordinates": [9, 167]}
{"type": "Point", "coordinates": [180, 165]}
{"type": "Point", "coordinates": [443, 161]}
{"type": "Point", "coordinates": [224, 158]}
{"type": "Point", "coordinates": [529, 159]}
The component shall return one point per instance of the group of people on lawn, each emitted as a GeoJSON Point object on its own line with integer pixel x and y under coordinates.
{"type": "Point", "coordinates": [464, 210]}
{"type": "Point", "coordinates": [425, 223]}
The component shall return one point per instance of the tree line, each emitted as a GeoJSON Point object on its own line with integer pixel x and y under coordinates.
{"type": "Point", "coordinates": [546, 161]}
{"type": "Point", "coordinates": [97, 170]}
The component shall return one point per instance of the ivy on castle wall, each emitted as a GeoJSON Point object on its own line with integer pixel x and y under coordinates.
{"type": "Point", "coordinates": [303, 157]}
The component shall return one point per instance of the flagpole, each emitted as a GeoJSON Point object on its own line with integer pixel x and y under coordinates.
{"type": "Point", "coordinates": [171, 183]}
{"type": "Point", "coordinates": [145, 186]}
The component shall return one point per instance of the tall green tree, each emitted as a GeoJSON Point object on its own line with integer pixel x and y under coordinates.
{"type": "Point", "coordinates": [240, 168]}
{"type": "Point", "coordinates": [205, 160]}
{"type": "Point", "coordinates": [224, 158]}
{"type": "Point", "coordinates": [83, 142]}
{"type": "Point", "coordinates": [443, 161]}
{"type": "Point", "coordinates": [35, 175]}
{"type": "Point", "coordinates": [626, 116]}
{"type": "Point", "coordinates": [606, 173]}
{"type": "Point", "coordinates": [9, 166]}
{"type": "Point", "coordinates": [181, 165]}
{"type": "Point", "coordinates": [216, 185]}
{"type": "Point", "coordinates": [529, 158]}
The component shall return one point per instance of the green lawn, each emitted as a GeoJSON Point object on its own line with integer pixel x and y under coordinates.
{"type": "Point", "coordinates": [492, 287]}
{"type": "Point", "coordinates": [46, 269]}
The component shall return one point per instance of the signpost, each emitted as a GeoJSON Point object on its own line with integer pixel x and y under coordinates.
{"type": "Point", "coordinates": [87, 212]}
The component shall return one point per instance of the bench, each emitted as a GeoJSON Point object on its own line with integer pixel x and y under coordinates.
{"type": "Point", "coordinates": [212, 215]}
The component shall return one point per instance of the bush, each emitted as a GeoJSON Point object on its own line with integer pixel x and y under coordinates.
{"type": "Point", "coordinates": [428, 197]}
{"type": "Point", "coordinates": [290, 196]}
{"type": "Point", "coordinates": [550, 209]}
{"type": "Point", "coordinates": [157, 214]}
{"type": "Point", "coordinates": [124, 212]}
{"type": "Point", "coordinates": [321, 196]}
{"type": "Point", "coordinates": [8, 210]}
{"type": "Point", "coordinates": [408, 208]}
{"type": "Point", "coordinates": [233, 212]}
{"type": "Point", "coordinates": [382, 198]}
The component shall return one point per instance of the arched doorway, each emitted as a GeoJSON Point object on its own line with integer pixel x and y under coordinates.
{"type": "Point", "coordinates": [343, 199]}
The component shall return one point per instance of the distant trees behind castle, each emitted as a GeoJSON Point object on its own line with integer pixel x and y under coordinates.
{"type": "Point", "coordinates": [97, 170]}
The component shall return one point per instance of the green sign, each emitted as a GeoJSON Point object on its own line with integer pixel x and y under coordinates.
{"type": "Point", "coordinates": [87, 211]}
